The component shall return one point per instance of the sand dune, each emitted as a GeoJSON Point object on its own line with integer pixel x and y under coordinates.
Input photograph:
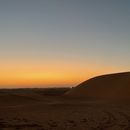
{"type": "Point", "coordinates": [48, 109]}
{"type": "Point", "coordinates": [115, 86]}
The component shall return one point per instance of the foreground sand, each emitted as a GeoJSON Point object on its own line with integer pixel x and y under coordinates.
{"type": "Point", "coordinates": [39, 110]}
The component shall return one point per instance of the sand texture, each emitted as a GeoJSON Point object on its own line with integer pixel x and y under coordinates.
{"type": "Point", "coordinates": [101, 103]}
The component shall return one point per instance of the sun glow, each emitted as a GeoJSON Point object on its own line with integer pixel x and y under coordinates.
{"type": "Point", "coordinates": [50, 74]}
{"type": "Point", "coordinates": [31, 75]}
{"type": "Point", "coordinates": [38, 79]}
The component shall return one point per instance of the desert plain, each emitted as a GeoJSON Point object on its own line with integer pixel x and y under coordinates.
{"type": "Point", "coordinates": [53, 109]}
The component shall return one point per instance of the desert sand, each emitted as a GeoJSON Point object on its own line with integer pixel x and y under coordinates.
{"type": "Point", "coordinates": [112, 86]}
{"type": "Point", "coordinates": [57, 109]}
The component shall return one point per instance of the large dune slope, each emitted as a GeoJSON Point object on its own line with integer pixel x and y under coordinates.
{"type": "Point", "coordinates": [115, 86]}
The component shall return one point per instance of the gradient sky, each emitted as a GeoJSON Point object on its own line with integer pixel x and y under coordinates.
{"type": "Point", "coordinates": [54, 43]}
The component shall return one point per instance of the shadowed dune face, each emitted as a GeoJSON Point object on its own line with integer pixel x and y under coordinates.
{"type": "Point", "coordinates": [116, 86]}
{"type": "Point", "coordinates": [16, 97]}
{"type": "Point", "coordinates": [48, 109]}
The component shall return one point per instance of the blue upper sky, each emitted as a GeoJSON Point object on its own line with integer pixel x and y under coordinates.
{"type": "Point", "coordinates": [79, 31]}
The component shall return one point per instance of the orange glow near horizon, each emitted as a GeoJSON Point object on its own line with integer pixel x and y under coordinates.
{"type": "Point", "coordinates": [39, 78]}
{"type": "Point", "coordinates": [29, 75]}
{"type": "Point", "coordinates": [44, 75]}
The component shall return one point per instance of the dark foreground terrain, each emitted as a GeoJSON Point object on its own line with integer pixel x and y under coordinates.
{"type": "Point", "coordinates": [48, 109]}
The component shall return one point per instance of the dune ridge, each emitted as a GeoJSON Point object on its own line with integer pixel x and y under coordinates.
{"type": "Point", "coordinates": [115, 86]}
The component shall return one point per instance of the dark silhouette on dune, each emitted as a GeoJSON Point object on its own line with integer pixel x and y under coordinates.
{"type": "Point", "coordinates": [115, 86]}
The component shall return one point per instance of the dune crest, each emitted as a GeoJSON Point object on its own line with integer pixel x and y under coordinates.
{"type": "Point", "coordinates": [116, 86]}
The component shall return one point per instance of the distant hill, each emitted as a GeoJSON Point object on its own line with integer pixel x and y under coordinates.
{"type": "Point", "coordinates": [115, 86]}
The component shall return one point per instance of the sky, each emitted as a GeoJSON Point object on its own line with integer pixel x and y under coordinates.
{"type": "Point", "coordinates": [58, 43]}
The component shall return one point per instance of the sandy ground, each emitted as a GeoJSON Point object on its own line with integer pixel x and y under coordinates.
{"type": "Point", "coordinates": [37, 110]}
